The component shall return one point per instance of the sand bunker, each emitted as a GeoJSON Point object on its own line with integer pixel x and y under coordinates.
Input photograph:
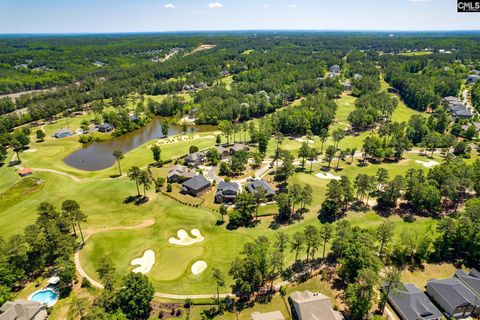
{"type": "Point", "coordinates": [427, 164]}
{"type": "Point", "coordinates": [327, 176]}
{"type": "Point", "coordinates": [145, 263]}
{"type": "Point", "coordinates": [199, 267]}
{"type": "Point", "coordinates": [183, 239]}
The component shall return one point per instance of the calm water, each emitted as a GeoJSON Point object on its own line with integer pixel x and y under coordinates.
{"type": "Point", "coordinates": [46, 296]}
{"type": "Point", "coordinates": [98, 155]}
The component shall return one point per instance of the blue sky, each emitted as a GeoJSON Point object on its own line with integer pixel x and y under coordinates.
{"type": "Point", "coordinates": [79, 16]}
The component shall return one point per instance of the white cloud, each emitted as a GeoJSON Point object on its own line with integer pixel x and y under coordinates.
{"type": "Point", "coordinates": [419, 0]}
{"type": "Point", "coordinates": [266, 5]}
{"type": "Point", "coordinates": [292, 6]}
{"type": "Point", "coordinates": [215, 5]}
{"type": "Point", "coordinates": [169, 6]}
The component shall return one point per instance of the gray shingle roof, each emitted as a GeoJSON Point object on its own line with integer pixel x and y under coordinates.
{"type": "Point", "coordinates": [453, 292]}
{"type": "Point", "coordinates": [255, 185]}
{"type": "Point", "coordinates": [196, 183]}
{"type": "Point", "coordinates": [411, 303]}
{"type": "Point", "coordinates": [313, 306]}
{"type": "Point", "coordinates": [471, 280]}
{"type": "Point", "coordinates": [23, 310]}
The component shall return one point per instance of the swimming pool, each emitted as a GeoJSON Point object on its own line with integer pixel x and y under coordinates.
{"type": "Point", "coordinates": [46, 296]}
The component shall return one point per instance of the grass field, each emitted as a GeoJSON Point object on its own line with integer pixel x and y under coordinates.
{"type": "Point", "coordinates": [171, 272]}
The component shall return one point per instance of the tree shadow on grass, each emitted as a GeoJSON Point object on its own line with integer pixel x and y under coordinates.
{"type": "Point", "coordinates": [136, 199]}
{"type": "Point", "coordinates": [113, 176]}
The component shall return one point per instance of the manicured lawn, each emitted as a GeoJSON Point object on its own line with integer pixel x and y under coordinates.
{"type": "Point", "coordinates": [419, 277]}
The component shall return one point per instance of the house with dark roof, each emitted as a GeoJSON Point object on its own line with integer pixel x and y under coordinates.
{"type": "Point", "coordinates": [226, 192]}
{"type": "Point", "coordinates": [453, 297]}
{"type": "Point", "coordinates": [273, 315]}
{"type": "Point", "coordinates": [23, 310]}
{"type": "Point", "coordinates": [255, 185]}
{"type": "Point", "coordinates": [196, 185]}
{"type": "Point", "coordinates": [194, 159]}
{"type": "Point", "coordinates": [471, 280]}
{"type": "Point", "coordinates": [334, 69]}
{"type": "Point", "coordinates": [312, 306]}
{"type": "Point", "coordinates": [459, 111]}
{"type": "Point", "coordinates": [62, 133]}
{"type": "Point", "coordinates": [473, 78]}
{"type": "Point", "coordinates": [239, 147]}
{"type": "Point", "coordinates": [411, 303]}
{"type": "Point", "coordinates": [179, 173]}
{"type": "Point", "coordinates": [105, 127]}
{"type": "Point", "coordinates": [224, 152]}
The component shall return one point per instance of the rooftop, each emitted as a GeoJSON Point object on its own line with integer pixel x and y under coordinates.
{"type": "Point", "coordinates": [411, 303]}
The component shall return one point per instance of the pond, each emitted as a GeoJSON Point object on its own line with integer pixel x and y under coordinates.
{"type": "Point", "coordinates": [98, 155]}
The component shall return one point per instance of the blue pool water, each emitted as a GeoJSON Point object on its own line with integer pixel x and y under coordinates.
{"type": "Point", "coordinates": [46, 296]}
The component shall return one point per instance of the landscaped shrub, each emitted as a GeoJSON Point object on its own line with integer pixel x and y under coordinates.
{"type": "Point", "coordinates": [169, 187]}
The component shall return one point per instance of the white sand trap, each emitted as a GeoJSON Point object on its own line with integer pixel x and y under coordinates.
{"type": "Point", "coordinates": [145, 263]}
{"type": "Point", "coordinates": [183, 239]}
{"type": "Point", "coordinates": [427, 164]}
{"type": "Point", "coordinates": [304, 139]}
{"type": "Point", "coordinates": [347, 103]}
{"type": "Point", "coordinates": [327, 176]}
{"type": "Point", "coordinates": [199, 267]}
{"type": "Point", "coordinates": [30, 150]}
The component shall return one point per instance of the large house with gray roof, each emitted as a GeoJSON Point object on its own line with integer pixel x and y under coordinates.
{"type": "Point", "coordinates": [23, 310]}
{"type": "Point", "coordinates": [254, 186]}
{"type": "Point", "coordinates": [194, 159]}
{"type": "Point", "coordinates": [227, 192]}
{"type": "Point", "coordinates": [412, 304]}
{"type": "Point", "coordinates": [471, 280]}
{"type": "Point", "coordinates": [179, 173]}
{"type": "Point", "coordinates": [196, 185]}
{"type": "Point", "coordinates": [454, 297]}
{"type": "Point", "coordinates": [313, 306]}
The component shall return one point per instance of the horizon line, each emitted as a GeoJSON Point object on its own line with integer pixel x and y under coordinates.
{"type": "Point", "coordinates": [244, 30]}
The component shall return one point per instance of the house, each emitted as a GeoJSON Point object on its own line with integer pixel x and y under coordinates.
{"type": "Point", "coordinates": [188, 87]}
{"type": "Point", "coordinates": [453, 297]}
{"type": "Point", "coordinates": [133, 117]}
{"type": "Point", "coordinates": [105, 127]}
{"type": "Point", "coordinates": [274, 315]}
{"type": "Point", "coordinates": [224, 152]}
{"type": "Point", "coordinates": [309, 306]}
{"type": "Point", "coordinates": [471, 280]}
{"type": "Point", "coordinates": [347, 85]}
{"type": "Point", "coordinates": [334, 69]}
{"type": "Point", "coordinates": [25, 172]}
{"type": "Point", "coordinates": [23, 310]}
{"type": "Point", "coordinates": [196, 185]}
{"type": "Point", "coordinates": [63, 133]}
{"type": "Point", "coordinates": [460, 111]}
{"type": "Point", "coordinates": [258, 184]}
{"type": "Point", "coordinates": [179, 173]}
{"type": "Point", "coordinates": [226, 192]}
{"type": "Point", "coordinates": [194, 159]}
{"type": "Point", "coordinates": [238, 147]}
{"type": "Point", "coordinates": [473, 78]}
{"type": "Point", "coordinates": [411, 303]}
{"type": "Point", "coordinates": [451, 101]}
{"type": "Point", "coordinates": [357, 76]}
